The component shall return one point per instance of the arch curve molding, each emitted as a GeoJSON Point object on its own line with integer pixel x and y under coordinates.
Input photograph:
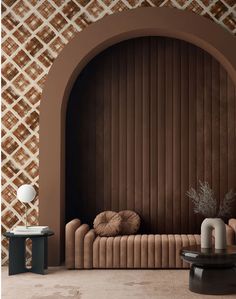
{"type": "Point", "coordinates": [74, 57]}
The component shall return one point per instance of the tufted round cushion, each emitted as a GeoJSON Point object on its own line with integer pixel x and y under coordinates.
{"type": "Point", "coordinates": [130, 222]}
{"type": "Point", "coordinates": [107, 224]}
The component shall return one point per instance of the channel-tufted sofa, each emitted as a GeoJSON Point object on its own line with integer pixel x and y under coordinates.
{"type": "Point", "coordinates": [85, 250]}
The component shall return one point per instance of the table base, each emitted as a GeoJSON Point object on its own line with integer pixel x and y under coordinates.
{"type": "Point", "coordinates": [212, 281]}
{"type": "Point", "coordinates": [17, 254]}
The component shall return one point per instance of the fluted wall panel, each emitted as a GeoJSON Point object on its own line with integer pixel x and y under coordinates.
{"type": "Point", "coordinates": [147, 119]}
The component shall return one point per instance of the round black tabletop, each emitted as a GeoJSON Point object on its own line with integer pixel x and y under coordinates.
{"type": "Point", "coordinates": [209, 256]}
{"type": "Point", "coordinates": [44, 234]}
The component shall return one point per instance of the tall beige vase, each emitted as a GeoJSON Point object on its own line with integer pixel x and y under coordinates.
{"type": "Point", "coordinates": [220, 233]}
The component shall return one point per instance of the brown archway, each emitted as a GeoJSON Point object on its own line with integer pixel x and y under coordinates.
{"type": "Point", "coordinates": [86, 45]}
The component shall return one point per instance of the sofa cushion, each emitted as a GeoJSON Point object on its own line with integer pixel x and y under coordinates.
{"type": "Point", "coordinates": [141, 251]}
{"type": "Point", "coordinates": [130, 222]}
{"type": "Point", "coordinates": [107, 224]}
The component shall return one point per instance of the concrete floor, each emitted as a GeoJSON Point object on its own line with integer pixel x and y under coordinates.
{"type": "Point", "coordinates": [60, 283]}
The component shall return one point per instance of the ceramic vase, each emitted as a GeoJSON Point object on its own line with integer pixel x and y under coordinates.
{"type": "Point", "coordinates": [220, 233]}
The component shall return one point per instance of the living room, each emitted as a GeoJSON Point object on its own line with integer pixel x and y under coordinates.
{"type": "Point", "coordinates": [118, 149]}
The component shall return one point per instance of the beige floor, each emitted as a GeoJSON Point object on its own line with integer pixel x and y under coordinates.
{"type": "Point", "coordinates": [99, 284]}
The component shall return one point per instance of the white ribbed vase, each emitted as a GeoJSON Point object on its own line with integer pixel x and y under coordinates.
{"type": "Point", "coordinates": [220, 233]}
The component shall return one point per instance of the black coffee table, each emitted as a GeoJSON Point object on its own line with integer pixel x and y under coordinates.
{"type": "Point", "coordinates": [17, 252]}
{"type": "Point", "coordinates": [212, 271]}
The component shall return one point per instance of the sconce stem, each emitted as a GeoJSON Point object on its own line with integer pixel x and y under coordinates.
{"type": "Point", "coordinates": [26, 209]}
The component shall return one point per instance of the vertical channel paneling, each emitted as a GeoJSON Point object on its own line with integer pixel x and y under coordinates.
{"type": "Point", "coordinates": [207, 118]}
{"type": "Point", "coordinates": [147, 119]}
{"type": "Point", "coordinates": [200, 118]}
{"type": "Point", "coordinates": [223, 130]}
{"type": "Point", "coordinates": [161, 142]}
{"type": "Point", "coordinates": [176, 138]}
{"type": "Point", "coordinates": [107, 132]}
{"type": "Point", "coordinates": [192, 127]}
{"type": "Point", "coordinates": [130, 126]}
{"type": "Point", "coordinates": [138, 134]}
{"type": "Point", "coordinates": [215, 102]}
{"type": "Point", "coordinates": [90, 180]}
{"type": "Point", "coordinates": [146, 131]}
{"type": "Point", "coordinates": [122, 129]}
{"type": "Point", "coordinates": [231, 134]}
{"type": "Point", "coordinates": [184, 138]}
{"type": "Point", "coordinates": [99, 145]}
{"type": "Point", "coordinates": [153, 136]}
{"type": "Point", "coordinates": [115, 131]}
{"type": "Point", "coordinates": [169, 135]}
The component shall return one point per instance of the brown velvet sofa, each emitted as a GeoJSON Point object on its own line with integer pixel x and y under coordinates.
{"type": "Point", "coordinates": [85, 250]}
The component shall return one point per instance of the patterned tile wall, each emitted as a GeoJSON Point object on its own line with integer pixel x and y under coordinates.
{"type": "Point", "coordinates": [33, 34]}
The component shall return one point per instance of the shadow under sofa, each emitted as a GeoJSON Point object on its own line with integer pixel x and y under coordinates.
{"type": "Point", "coordinates": [85, 250]}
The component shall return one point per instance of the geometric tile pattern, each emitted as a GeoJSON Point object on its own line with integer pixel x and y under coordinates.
{"type": "Point", "coordinates": [33, 34]}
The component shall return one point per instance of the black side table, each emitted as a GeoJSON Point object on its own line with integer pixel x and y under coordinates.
{"type": "Point", "coordinates": [213, 271]}
{"type": "Point", "coordinates": [17, 252]}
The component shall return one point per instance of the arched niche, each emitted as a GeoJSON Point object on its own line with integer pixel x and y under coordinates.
{"type": "Point", "coordinates": [75, 56]}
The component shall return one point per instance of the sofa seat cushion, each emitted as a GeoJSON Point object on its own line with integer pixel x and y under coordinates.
{"type": "Point", "coordinates": [107, 223]}
{"type": "Point", "coordinates": [141, 251]}
{"type": "Point", "coordinates": [130, 222]}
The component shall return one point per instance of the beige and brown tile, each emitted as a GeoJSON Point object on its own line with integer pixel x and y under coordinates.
{"type": "Point", "coordinates": [33, 22]}
{"type": "Point", "coordinates": [9, 22]}
{"type": "Point", "coordinates": [46, 9]}
{"type": "Point", "coordinates": [9, 145]}
{"type": "Point", "coordinates": [9, 71]}
{"type": "Point", "coordinates": [70, 9]}
{"type": "Point", "coordinates": [22, 34]}
{"type": "Point", "coordinates": [9, 96]}
{"type": "Point", "coordinates": [9, 46]}
{"type": "Point", "coordinates": [21, 59]}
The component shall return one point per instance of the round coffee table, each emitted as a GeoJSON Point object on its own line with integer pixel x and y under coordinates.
{"type": "Point", "coordinates": [17, 252]}
{"type": "Point", "coordinates": [212, 271]}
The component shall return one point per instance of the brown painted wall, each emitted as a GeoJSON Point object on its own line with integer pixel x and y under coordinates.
{"type": "Point", "coordinates": [146, 119]}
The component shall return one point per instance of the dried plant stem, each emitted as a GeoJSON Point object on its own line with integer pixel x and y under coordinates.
{"type": "Point", "coordinates": [205, 203]}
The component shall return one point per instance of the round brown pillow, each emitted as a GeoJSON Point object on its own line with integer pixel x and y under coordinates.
{"type": "Point", "coordinates": [107, 224]}
{"type": "Point", "coordinates": [130, 222]}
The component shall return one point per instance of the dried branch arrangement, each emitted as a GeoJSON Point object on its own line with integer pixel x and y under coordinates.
{"type": "Point", "coordinates": [205, 203]}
